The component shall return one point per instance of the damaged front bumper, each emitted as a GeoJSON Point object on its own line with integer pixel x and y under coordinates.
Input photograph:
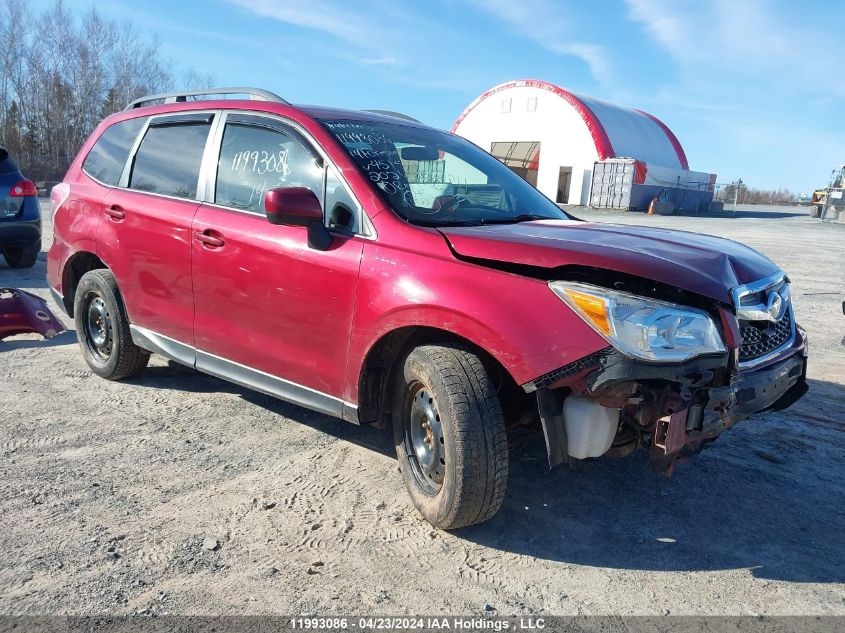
{"type": "Point", "coordinates": [709, 411]}
{"type": "Point", "coordinates": [675, 410]}
{"type": "Point", "coordinates": [22, 312]}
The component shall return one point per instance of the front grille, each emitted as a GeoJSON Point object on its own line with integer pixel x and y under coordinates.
{"type": "Point", "coordinates": [763, 337]}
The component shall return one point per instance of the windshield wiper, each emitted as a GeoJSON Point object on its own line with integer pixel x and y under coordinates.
{"type": "Point", "coordinates": [515, 219]}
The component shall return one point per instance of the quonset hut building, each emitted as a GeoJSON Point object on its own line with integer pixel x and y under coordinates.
{"type": "Point", "coordinates": [582, 150]}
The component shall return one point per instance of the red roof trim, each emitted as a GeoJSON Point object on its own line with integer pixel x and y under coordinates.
{"type": "Point", "coordinates": [604, 148]}
{"type": "Point", "coordinates": [682, 157]}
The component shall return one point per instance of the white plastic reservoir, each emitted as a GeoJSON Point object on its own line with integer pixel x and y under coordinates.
{"type": "Point", "coordinates": [590, 427]}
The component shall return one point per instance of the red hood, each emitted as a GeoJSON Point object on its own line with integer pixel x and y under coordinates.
{"type": "Point", "coordinates": [703, 264]}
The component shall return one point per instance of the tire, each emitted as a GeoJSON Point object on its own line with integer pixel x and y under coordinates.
{"type": "Point", "coordinates": [450, 436]}
{"type": "Point", "coordinates": [20, 258]}
{"type": "Point", "coordinates": [815, 211]}
{"type": "Point", "coordinates": [102, 328]}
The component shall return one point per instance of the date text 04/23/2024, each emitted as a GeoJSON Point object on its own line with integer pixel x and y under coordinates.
{"type": "Point", "coordinates": [407, 623]}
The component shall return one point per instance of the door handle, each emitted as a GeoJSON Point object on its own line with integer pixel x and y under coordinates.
{"type": "Point", "coordinates": [212, 241]}
{"type": "Point", "coordinates": [115, 212]}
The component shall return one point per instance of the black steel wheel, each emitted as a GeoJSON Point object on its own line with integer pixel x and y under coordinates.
{"type": "Point", "coordinates": [97, 326]}
{"type": "Point", "coordinates": [102, 328]}
{"type": "Point", "coordinates": [450, 436]}
{"type": "Point", "coordinates": [423, 438]}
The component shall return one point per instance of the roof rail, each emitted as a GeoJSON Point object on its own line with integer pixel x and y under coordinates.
{"type": "Point", "coordinates": [255, 94]}
{"type": "Point", "coordinates": [397, 115]}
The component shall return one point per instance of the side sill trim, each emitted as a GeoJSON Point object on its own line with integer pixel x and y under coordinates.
{"type": "Point", "coordinates": [243, 375]}
{"type": "Point", "coordinates": [267, 384]}
{"type": "Point", "coordinates": [163, 345]}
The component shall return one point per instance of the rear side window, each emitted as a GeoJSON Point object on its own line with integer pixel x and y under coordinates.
{"type": "Point", "coordinates": [106, 159]}
{"type": "Point", "coordinates": [168, 160]}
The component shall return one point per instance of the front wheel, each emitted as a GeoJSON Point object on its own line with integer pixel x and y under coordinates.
{"type": "Point", "coordinates": [450, 436]}
{"type": "Point", "coordinates": [102, 328]}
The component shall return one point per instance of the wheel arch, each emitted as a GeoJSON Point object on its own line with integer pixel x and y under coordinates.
{"type": "Point", "coordinates": [384, 356]}
{"type": "Point", "coordinates": [76, 266]}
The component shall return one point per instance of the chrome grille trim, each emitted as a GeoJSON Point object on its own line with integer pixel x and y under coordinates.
{"type": "Point", "coordinates": [748, 359]}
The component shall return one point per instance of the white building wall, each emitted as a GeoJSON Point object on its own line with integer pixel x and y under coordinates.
{"type": "Point", "coordinates": [563, 135]}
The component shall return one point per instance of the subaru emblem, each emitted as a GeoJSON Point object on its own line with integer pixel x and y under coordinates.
{"type": "Point", "coordinates": [775, 306]}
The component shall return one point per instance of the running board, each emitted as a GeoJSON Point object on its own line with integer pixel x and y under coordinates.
{"type": "Point", "coordinates": [242, 375]}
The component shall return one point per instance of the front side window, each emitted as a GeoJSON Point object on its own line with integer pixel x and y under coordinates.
{"type": "Point", "coordinates": [169, 158]}
{"type": "Point", "coordinates": [255, 159]}
{"type": "Point", "coordinates": [434, 178]}
{"type": "Point", "coordinates": [106, 159]}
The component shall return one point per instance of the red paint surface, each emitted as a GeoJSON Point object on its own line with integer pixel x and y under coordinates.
{"type": "Point", "coordinates": [266, 300]}
{"type": "Point", "coordinates": [640, 172]}
{"type": "Point", "coordinates": [149, 252]}
{"type": "Point", "coordinates": [704, 264]}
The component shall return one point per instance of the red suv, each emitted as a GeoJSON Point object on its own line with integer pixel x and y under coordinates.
{"type": "Point", "coordinates": [375, 269]}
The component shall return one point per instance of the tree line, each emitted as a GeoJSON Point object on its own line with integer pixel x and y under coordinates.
{"type": "Point", "coordinates": [63, 72]}
{"type": "Point", "coordinates": [748, 195]}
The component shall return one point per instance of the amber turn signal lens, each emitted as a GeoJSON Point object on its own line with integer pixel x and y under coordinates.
{"type": "Point", "coordinates": [594, 308]}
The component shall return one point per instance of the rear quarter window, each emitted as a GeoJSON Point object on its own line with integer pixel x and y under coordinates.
{"type": "Point", "coordinates": [106, 159]}
{"type": "Point", "coordinates": [169, 158]}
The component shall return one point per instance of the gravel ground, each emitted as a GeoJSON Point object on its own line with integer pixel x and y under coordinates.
{"type": "Point", "coordinates": [179, 493]}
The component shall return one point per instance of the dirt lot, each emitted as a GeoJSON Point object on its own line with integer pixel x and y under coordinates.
{"type": "Point", "coordinates": [179, 493]}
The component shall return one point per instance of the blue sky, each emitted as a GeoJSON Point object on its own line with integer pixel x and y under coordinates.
{"type": "Point", "coordinates": [753, 89]}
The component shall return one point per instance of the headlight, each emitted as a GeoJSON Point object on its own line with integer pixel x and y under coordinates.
{"type": "Point", "coordinates": [641, 327]}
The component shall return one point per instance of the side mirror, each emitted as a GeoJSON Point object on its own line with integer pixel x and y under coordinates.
{"type": "Point", "coordinates": [292, 206]}
{"type": "Point", "coordinates": [298, 206]}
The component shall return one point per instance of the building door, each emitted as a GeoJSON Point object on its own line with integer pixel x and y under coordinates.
{"type": "Point", "coordinates": [522, 157]}
{"type": "Point", "coordinates": [563, 182]}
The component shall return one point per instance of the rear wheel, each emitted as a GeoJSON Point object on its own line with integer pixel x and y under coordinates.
{"type": "Point", "coordinates": [102, 328]}
{"type": "Point", "coordinates": [450, 436]}
{"type": "Point", "coordinates": [815, 211]}
{"type": "Point", "coordinates": [20, 258]}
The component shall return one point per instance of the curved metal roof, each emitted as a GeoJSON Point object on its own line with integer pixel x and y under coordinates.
{"type": "Point", "coordinates": [617, 132]}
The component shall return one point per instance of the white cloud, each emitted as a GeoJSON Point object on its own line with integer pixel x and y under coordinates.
{"type": "Point", "coordinates": [751, 39]}
{"type": "Point", "coordinates": [319, 15]}
{"type": "Point", "coordinates": [388, 60]}
{"type": "Point", "coordinates": [546, 23]}
{"type": "Point", "coordinates": [388, 39]}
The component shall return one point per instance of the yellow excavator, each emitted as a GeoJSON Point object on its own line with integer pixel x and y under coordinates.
{"type": "Point", "coordinates": [829, 203]}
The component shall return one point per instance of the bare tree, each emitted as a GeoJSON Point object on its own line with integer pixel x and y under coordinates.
{"type": "Point", "coordinates": [62, 73]}
{"type": "Point", "coordinates": [192, 80]}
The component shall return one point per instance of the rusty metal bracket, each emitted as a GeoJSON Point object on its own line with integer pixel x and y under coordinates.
{"type": "Point", "coordinates": [22, 312]}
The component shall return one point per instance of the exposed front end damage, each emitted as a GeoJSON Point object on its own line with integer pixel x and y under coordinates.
{"type": "Point", "coordinates": [22, 312]}
{"type": "Point", "coordinates": [672, 410]}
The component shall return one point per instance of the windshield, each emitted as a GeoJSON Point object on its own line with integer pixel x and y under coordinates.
{"type": "Point", "coordinates": [434, 178]}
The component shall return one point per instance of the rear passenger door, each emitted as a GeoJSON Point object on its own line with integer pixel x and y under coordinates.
{"type": "Point", "coordinates": [145, 232]}
{"type": "Point", "coordinates": [270, 311]}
